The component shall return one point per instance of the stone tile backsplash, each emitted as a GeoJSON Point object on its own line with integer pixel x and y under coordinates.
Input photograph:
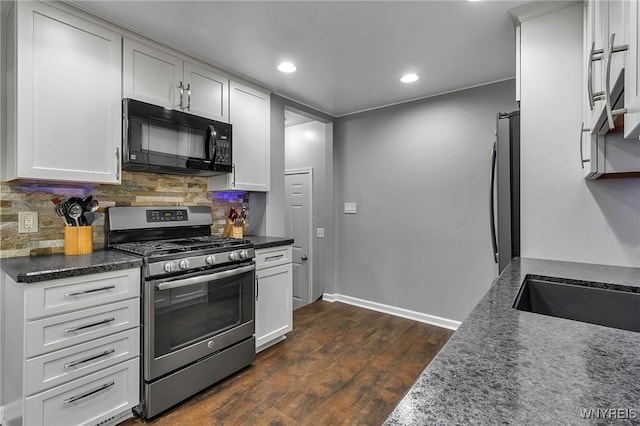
{"type": "Point", "coordinates": [137, 189]}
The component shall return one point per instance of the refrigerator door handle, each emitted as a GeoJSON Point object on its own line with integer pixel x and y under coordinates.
{"type": "Point", "coordinates": [492, 180]}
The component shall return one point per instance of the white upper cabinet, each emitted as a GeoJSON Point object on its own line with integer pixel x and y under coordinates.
{"type": "Point", "coordinates": [205, 92]}
{"type": "Point", "coordinates": [610, 27]}
{"type": "Point", "coordinates": [249, 114]}
{"type": "Point", "coordinates": [156, 76]}
{"type": "Point", "coordinates": [63, 96]}
{"type": "Point", "coordinates": [632, 72]}
{"type": "Point", "coordinates": [151, 75]}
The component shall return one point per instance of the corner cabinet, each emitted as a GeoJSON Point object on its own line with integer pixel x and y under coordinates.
{"type": "Point", "coordinates": [611, 58]}
{"type": "Point", "coordinates": [160, 78]}
{"type": "Point", "coordinates": [250, 115]}
{"type": "Point", "coordinates": [72, 353]}
{"type": "Point", "coordinates": [632, 72]}
{"type": "Point", "coordinates": [64, 83]}
{"type": "Point", "coordinates": [274, 302]}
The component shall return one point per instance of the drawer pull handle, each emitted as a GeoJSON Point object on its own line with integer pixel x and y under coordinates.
{"type": "Point", "coordinates": [91, 358]}
{"type": "Point", "coordinates": [274, 257]}
{"type": "Point", "coordinates": [93, 324]}
{"type": "Point", "coordinates": [87, 394]}
{"type": "Point", "coordinates": [94, 290]}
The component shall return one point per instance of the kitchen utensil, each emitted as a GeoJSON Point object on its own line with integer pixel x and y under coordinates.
{"type": "Point", "coordinates": [75, 211]}
{"type": "Point", "coordinates": [60, 211]}
{"type": "Point", "coordinates": [93, 205]}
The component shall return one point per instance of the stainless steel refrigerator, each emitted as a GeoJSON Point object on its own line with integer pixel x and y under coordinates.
{"type": "Point", "coordinates": [505, 189]}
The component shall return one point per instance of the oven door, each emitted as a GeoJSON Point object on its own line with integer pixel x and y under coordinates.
{"type": "Point", "coordinates": [192, 316]}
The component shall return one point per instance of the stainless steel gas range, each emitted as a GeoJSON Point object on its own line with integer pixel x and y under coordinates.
{"type": "Point", "coordinates": [197, 300]}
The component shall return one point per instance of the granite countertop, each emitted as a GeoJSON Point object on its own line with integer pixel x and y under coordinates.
{"type": "Point", "coordinates": [260, 242]}
{"type": "Point", "coordinates": [31, 269]}
{"type": "Point", "coordinates": [505, 366]}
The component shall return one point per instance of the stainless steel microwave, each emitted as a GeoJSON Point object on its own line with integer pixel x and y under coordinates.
{"type": "Point", "coordinates": [162, 140]}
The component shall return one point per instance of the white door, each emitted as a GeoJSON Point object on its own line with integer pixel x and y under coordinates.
{"type": "Point", "coordinates": [298, 226]}
{"type": "Point", "coordinates": [205, 93]}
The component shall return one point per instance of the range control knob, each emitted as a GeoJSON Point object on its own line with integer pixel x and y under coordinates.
{"type": "Point", "coordinates": [168, 267]}
{"type": "Point", "coordinates": [184, 264]}
{"type": "Point", "coordinates": [243, 254]}
{"type": "Point", "coordinates": [233, 255]}
{"type": "Point", "coordinates": [210, 260]}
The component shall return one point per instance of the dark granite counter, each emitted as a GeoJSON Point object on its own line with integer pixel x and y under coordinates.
{"type": "Point", "coordinates": [31, 269]}
{"type": "Point", "coordinates": [505, 366]}
{"type": "Point", "coordinates": [268, 242]}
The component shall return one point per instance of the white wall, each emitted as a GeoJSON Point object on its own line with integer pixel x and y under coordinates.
{"type": "Point", "coordinates": [274, 199]}
{"type": "Point", "coordinates": [419, 173]}
{"type": "Point", "coordinates": [565, 217]}
{"type": "Point", "coordinates": [309, 145]}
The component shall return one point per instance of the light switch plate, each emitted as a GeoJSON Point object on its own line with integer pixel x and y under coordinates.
{"type": "Point", "coordinates": [320, 232]}
{"type": "Point", "coordinates": [350, 208]}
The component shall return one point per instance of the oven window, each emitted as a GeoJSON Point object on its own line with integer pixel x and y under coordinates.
{"type": "Point", "coordinates": [185, 315]}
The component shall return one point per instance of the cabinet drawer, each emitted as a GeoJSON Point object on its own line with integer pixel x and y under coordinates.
{"type": "Point", "coordinates": [68, 364]}
{"type": "Point", "coordinates": [68, 294]}
{"type": "Point", "coordinates": [89, 400]}
{"type": "Point", "coordinates": [61, 331]}
{"type": "Point", "coordinates": [266, 258]}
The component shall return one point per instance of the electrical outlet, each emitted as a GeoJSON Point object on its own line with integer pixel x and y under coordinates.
{"type": "Point", "coordinates": [27, 222]}
{"type": "Point", "coordinates": [320, 232]}
{"type": "Point", "coordinates": [350, 208]}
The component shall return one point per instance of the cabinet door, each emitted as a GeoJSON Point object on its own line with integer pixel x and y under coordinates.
{"type": "Point", "coordinates": [249, 114]}
{"type": "Point", "coordinates": [152, 75]}
{"type": "Point", "coordinates": [68, 97]}
{"type": "Point", "coordinates": [274, 308]}
{"type": "Point", "coordinates": [632, 72]}
{"type": "Point", "coordinates": [615, 24]}
{"type": "Point", "coordinates": [585, 131]}
{"type": "Point", "coordinates": [206, 93]}
{"type": "Point", "coordinates": [596, 38]}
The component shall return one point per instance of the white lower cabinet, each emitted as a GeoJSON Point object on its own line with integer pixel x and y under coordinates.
{"type": "Point", "coordinates": [89, 400]}
{"type": "Point", "coordinates": [72, 354]}
{"type": "Point", "coordinates": [274, 306]}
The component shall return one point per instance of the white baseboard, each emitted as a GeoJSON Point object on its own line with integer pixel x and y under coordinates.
{"type": "Point", "coordinates": [392, 310]}
{"type": "Point", "coordinates": [1, 415]}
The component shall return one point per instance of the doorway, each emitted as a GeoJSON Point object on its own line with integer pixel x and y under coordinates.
{"type": "Point", "coordinates": [308, 189]}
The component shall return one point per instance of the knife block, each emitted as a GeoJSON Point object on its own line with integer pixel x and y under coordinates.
{"type": "Point", "coordinates": [231, 231]}
{"type": "Point", "coordinates": [78, 240]}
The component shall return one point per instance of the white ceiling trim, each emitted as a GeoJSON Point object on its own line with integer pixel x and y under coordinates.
{"type": "Point", "coordinates": [428, 96]}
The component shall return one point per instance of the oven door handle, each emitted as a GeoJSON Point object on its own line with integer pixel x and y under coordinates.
{"type": "Point", "coordinates": [204, 278]}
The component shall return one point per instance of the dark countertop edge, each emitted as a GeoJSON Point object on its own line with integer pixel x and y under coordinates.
{"type": "Point", "coordinates": [33, 269]}
{"type": "Point", "coordinates": [262, 242]}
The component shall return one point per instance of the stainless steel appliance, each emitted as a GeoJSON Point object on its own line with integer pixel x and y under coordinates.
{"type": "Point", "coordinates": [157, 139]}
{"type": "Point", "coordinates": [504, 202]}
{"type": "Point", "coordinates": [197, 300]}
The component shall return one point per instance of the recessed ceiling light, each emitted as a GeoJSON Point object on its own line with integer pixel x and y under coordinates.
{"type": "Point", "coordinates": [409, 78]}
{"type": "Point", "coordinates": [287, 67]}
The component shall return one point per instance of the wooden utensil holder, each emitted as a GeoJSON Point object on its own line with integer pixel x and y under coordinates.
{"type": "Point", "coordinates": [78, 240]}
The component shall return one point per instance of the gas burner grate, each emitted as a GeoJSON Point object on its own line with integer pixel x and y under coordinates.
{"type": "Point", "coordinates": [149, 248]}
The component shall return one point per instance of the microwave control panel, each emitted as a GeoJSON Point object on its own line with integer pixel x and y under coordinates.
{"type": "Point", "coordinates": [223, 151]}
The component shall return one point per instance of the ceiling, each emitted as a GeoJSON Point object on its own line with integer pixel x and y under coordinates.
{"type": "Point", "coordinates": [350, 54]}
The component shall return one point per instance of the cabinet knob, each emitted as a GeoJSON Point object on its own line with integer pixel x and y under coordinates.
{"type": "Point", "coordinates": [304, 257]}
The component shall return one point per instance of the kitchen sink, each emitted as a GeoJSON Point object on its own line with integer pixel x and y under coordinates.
{"type": "Point", "coordinates": [617, 308]}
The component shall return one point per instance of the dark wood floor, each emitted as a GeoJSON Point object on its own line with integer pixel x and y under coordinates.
{"type": "Point", "coordinates": [340, 365]}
